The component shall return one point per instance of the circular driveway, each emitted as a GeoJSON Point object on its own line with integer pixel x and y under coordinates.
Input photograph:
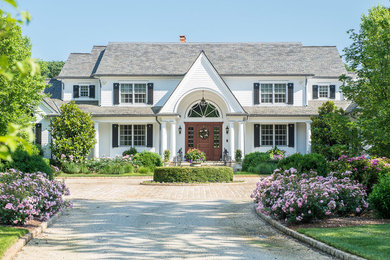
{"type": "Point", "coordinates": [116, 218]}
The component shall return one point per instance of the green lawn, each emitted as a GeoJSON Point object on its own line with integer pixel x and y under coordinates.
{"type": "Point", "coordinates": [369, 241]}
{"type": "Point", "coordinates": [8, 236]}
{"type": "Point", "coordinates": [103, 175]}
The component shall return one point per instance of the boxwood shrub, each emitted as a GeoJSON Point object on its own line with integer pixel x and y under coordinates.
{"type": "Point", "coordinates": [305, 163]}
{"type": "Point", "coordinates": [193, 174]}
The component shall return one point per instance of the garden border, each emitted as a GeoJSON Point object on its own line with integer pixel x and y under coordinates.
{"type": "Point", "coordinates": [308, 240]}
{"type": "Point", "coordinates": [191, 183]}
{"type": "Point", "coordinates": [11, 252]}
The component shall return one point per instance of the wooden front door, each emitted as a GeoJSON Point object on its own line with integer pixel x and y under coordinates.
{"type": "Point", "coordinates": [206, 137]}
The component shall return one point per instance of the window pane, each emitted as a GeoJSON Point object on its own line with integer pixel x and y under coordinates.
{"type": "Point", "coordinates": [190, 137]}
{"type": "Point", "coordinates": [126, 93]}
{"type": "Point", "coordinates": [139, 93]}
{"type": "Point", "coordinates": [280, 93]}
{"type": "Point", "coordinates": [267, 134]}
{"type": "Point", "coordinates": [280, 134]}
{"type": "Point", "coordinates": [84, 91]}
{"type": "Point", "coordinates": [266, 93]}
{"type": "Point", "coordinates": [125, 135]}
{"type": "Point", "coordinates": [216, 136]}
{"type": "Point", "coordinates": [139, 135]}
{"type": "Point", "coordinates": [323, 91]}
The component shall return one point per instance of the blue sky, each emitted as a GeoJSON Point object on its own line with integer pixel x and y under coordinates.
{"type": "Point", "coordinates": [61, 27]}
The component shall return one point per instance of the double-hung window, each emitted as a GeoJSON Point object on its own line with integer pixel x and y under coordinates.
{"type": "Point", "coordinates": [273, 134]}
{"type": "Point", "coordinates": [132, 135]}
{"type": "Point", "coordinates": [323, 91]}
{"type": "Point", "coordinates": [133, 93]}
{"type": "Point", "coordinates": [273, 93]}
{"type": "Point", "coordinates": [84, 91]}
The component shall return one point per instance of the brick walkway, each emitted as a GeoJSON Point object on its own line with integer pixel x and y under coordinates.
{"type": "Point", "coordinates": [128, 188]}
{"type": "Point", "coordinates": [116, 218]}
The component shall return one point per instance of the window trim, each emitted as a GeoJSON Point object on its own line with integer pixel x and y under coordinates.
{"type": "Point", "coordinates": [273, 93]}
{"type": "Point", "coordinates": [133, 93]}
{"type": "Point", "coordinates": [132, 135]}
{"type": "Point", "coordinates": [273, 135]}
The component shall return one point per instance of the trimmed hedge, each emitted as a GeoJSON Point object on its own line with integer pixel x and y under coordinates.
{"type": "Point", "coordinates": [305, 163]}
{"type": "Point", "coordinates": [193, 174]}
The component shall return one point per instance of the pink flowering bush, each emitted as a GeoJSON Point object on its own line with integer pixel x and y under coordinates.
{"type": "Point", "coordinates": [28, 196]}
{"type": "Point", "coordinates": [300, 198]}
{"type": "Point", "coordinates": [364, 170]}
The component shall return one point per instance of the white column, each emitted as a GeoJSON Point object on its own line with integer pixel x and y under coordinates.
{"type": "Point", "coordinates": [173, 139]}
{"type": "Point", "coordinates": [164, 137]}
{"type": "Point", "coordinates": [308, 137]}
{"type": "Point", "coordinates": [241, 137]}
{"type": "Point", "coordinates": [231, 139]}
{"type": "Point", "coordinates": [96, 149]}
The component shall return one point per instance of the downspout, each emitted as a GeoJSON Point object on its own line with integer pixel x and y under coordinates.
{"type": "Point", "coordinates": [100, 93]}
{"type": "Point", "coordinates": [306, 98]}
{"type": "Point", "coordinates": [159, 135]}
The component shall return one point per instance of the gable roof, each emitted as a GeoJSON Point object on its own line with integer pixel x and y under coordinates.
{"type": "Point", "coordinates": [139, 59]}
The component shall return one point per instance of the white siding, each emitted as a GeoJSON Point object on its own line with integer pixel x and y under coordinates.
{"type": "Point", "coordinates": [319, 81]}
{"type": "Point", "coordinates": [68, 88]}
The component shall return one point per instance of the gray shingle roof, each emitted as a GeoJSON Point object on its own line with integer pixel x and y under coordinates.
{"type": "Point", "coordinates": [228, 58]}
{"type": "Point", "coordinates": [53, 88]}
{"type": "Point", "coordinates": [82, 65]}
{"type": "Point", "coordinates": [310, 110]}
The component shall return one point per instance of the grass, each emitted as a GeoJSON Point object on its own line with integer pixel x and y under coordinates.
{"type": "Point", "coordinates": [8, 236]}
{"type": "Point", "coordinates": [369, 241]}
{"type": "Point", "coordinates": [104, 175]}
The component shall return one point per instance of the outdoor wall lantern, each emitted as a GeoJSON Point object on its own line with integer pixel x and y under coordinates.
{"type": "Point", "coordinates": [179, 130]}
{"type": "Point", "coordinates": [227, 130]}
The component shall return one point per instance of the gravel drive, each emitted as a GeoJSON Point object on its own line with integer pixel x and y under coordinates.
{"type": "Point", "coordinates": [117, 218]}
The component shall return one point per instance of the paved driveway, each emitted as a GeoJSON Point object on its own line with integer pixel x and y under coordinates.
{"type": "Point", "coordinates": [120, 219]}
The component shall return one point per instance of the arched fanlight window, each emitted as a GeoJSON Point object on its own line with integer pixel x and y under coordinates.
{"type": "Point", "coordinates": [203, 109]}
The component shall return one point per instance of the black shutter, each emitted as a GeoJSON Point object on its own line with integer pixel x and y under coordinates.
{"type": "Point", "coordinates": [290, 92]}
{"type": "Point", "coordinates": [332, 89]}
{"type": "Point", "coordinates": [114, 135]}
{"type": "Point", "coordinates": [116, 93]}
{"type": "Point", "coordinates": [315, 91]}
{"type": "Point", "coordinates": [76, 91]}
{"type": "Point", "coordinates": [291, 135]}
{"type": "Point", "coordinates": [150, 93]}
{"type": "Point", "coordinates": [256, 96]}
{"type": "Point", "coordinates": [38, 133]}
{"type": "Point", "coordinates": [149, 135]}
{"type": "Point", "coordinates": [92, 91]}
{"type": "Point", "coordinates": [256, 136]}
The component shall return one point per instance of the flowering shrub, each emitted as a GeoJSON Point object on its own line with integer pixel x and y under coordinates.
{"type": "Point", "coordinates": [364, 170]}
{"type": "Point", "coordinates": [276, 154]}
{"type": "Point", "coordinates": [30, 196]}
{"type": "Point", "coordinates": [305, 197]}
{"type": "Point", "coordinates": [195, 155]}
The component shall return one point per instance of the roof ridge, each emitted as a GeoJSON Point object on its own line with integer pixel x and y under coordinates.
{"type": "Point", "coordinates": [80, 53]}
{"type": "Point", "coordinates": [190, 43]}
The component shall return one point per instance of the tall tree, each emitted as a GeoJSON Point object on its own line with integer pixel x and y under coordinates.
{"type": "Point", "coordinates": [21, 93]}
{"type": "Point", "coordinates": [369, 57]}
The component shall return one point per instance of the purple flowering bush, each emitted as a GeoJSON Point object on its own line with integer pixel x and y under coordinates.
{"type": "Point", "coordinates": [27, 196]}
{"type": "Point", "coordinates": [364, 170]}
{"type": "Point", "coordinates": [302, 198]}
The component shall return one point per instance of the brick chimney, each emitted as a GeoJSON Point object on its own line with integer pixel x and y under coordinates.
{"type": "Point", "coordinates": [182, 38]}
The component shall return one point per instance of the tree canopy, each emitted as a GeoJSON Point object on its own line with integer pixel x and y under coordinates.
{"type": "Point", "coordinates": [333, 133]}
{"type": "Point", "coordinates": [73, 133]}
{"type": "Point", "coordinates": [20, 94]}
{"type": "Point", "coordinates": [369, 57]}
{"type": "Point", "coordinates": [51, 69]}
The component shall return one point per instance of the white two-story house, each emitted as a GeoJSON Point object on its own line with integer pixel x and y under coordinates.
{"type": "Point", "coordinates": [211, 96]}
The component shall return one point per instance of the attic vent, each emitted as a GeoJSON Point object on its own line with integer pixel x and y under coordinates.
{"type": "Point", "coordinates": [182, 38]}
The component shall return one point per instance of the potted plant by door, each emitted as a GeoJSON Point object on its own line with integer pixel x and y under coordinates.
{"type": "Point", "coordinates": [195, 157]}
{"type": "Point", "coordinates": [167, 154]}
